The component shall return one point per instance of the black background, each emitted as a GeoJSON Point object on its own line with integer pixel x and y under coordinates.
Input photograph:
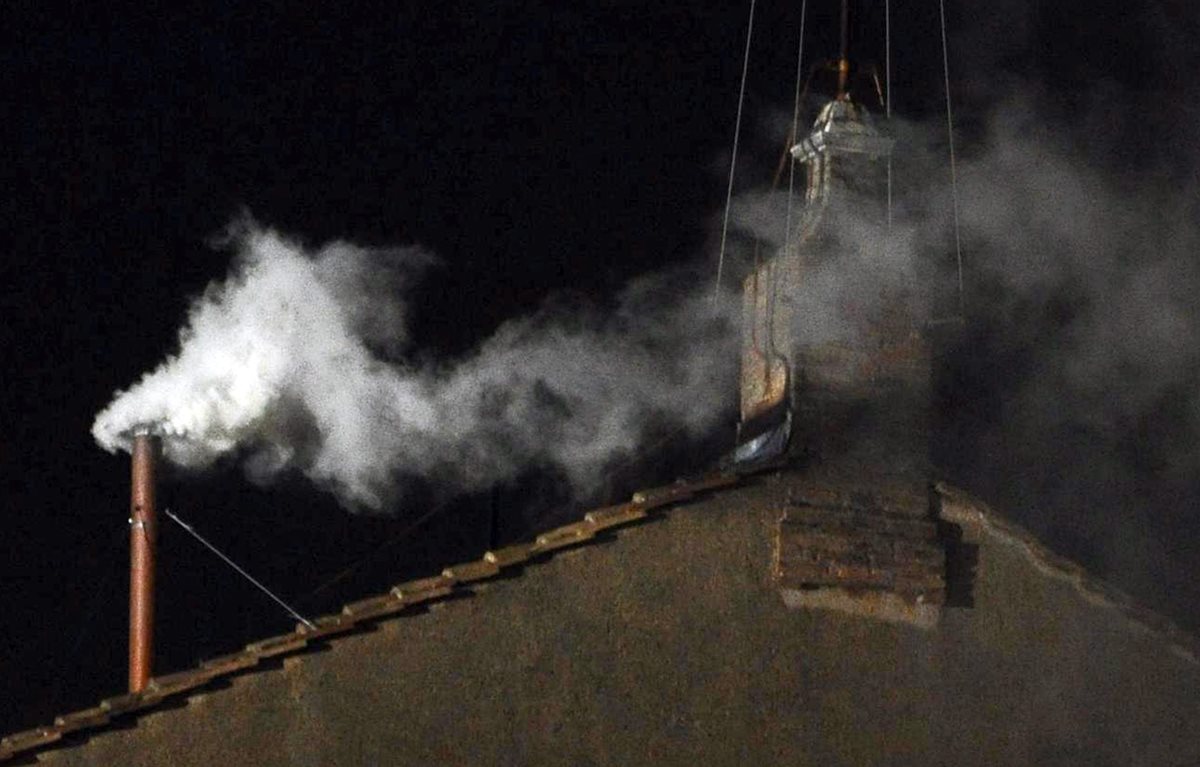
{"type": "Point", "coordinates": [534, 147]}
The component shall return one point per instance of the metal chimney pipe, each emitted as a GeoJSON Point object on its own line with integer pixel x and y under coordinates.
{"type": "Point", "coordinates": [843, 66]}
{"type": "Point", "coordinates": [143, 534]}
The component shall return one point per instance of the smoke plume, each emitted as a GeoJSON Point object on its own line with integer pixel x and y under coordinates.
{"type": "Point", "coordinates": [1070, 390]}
{"type": "Point", "coordinates": [1083, 286]}
{"type": "Point", "coordinates": [301, 360]}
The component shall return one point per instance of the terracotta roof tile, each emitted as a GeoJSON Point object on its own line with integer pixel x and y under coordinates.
{"type": "Point", "coordinates": [129, 702]}
{"type": "Point", "coordinates": [326, 626]}
{"type": "Point", "coordinates": [182, 681]}
{"type": "Point", "coordinates": [28, 739]}
{"type": "Point", "coordinates": [562, 537]}
{"type": "Point", "coordinates": [614, 516]}
{"type": "Point", "coordinates": [470, 572]}
{"type": "Point", "coordinates": [683, 490]}
{"type": "Point", "coordinates": [228, 664]}
{"type": "Point", "coordinates": [374, 607]}
{"type": "Point", "coordinates": [510, 555]}
{"type": "Point", "coordinates": [277, 645]}
{"type": "Point", "coordinates": [78, 720]}
{"type": "Point", "coordinates": [423, 589]}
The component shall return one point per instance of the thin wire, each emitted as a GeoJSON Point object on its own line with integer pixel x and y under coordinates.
{"type": "Point", "coordinates": [887, 53]}
{"type": "Point", "coordinates": [353, 567]}
{"type": "Point", "coordinates": [953, 164]}
{"type": "Point", "coordinates": [777, 266]}
{"type": "Point", "coordinates": [887, 81]}
{"type": "Point", "coordinates": [787, 234]}
{"type": "Point", "coordinates": [737, 132]}
{"type": "Point", "coordinates": [243, 573]}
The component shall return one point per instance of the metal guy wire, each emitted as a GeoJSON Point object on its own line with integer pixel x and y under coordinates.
{"type": "Point", "coordinates": [242, 572]}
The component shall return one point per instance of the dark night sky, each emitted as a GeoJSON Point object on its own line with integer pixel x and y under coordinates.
{"type": "Point", "coordinates": [534, 148]}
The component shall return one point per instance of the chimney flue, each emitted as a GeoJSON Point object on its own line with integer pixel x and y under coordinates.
{"type": "Point", "coordinates": [143, 534]}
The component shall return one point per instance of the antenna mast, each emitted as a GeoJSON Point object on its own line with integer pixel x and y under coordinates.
{"type": "Point", "coordinates": [844, 60]}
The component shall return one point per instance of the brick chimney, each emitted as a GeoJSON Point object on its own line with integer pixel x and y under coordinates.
{"type": "Point", "coordinates": [834, 364]}
{"type": "Point", "coordinates": [835, 384]}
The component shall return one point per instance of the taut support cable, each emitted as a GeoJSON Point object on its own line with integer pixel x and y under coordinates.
{"type": "Point", "coordinates": [737, 132]}
{"type": "Point", "coordinates": [887, 95]}
{"type": "Point", "coordinates": [787, 233]}
{"type": "Point", "coordinates": [240, 571]}
{"type": "Point", "coordinates": [953, 163]}
{"type": "Point", "coordinates": [777, 267]}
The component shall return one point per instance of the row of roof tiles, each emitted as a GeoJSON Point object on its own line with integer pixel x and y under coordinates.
{"type": "Point", "coordinates": [956, 506]}
{"type": "Point", "coordinates": [355, 614]}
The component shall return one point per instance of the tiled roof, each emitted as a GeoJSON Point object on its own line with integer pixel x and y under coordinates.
{"type": "Point", "coordinates": [400, 598]}
{"type": "Point", "coordinates": [956, 507]}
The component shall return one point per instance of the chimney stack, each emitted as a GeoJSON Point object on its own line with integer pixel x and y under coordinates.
{"type": "Point", "coordinates": [143, 535]}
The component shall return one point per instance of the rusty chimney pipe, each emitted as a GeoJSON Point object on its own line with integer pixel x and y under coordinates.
{"type": "Point", "coordinates": [143, 534]}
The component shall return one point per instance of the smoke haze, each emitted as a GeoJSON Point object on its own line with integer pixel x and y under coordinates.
{"type": "Point", "coordinates": [1070, 395]}
{"type": "Point", "coordinates": [300, 360]}
{"type": "Point", "coordinates": [1085, 341]}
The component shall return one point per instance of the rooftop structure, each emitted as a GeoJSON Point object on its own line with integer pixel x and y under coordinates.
{"type": "Point", "coordinates": [823, 600]}
{"type": "Point", "coordinates": [660, 630]}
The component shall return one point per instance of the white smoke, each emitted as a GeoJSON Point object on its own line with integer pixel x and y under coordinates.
{"type": "Point", "coordinates": [297, 361]}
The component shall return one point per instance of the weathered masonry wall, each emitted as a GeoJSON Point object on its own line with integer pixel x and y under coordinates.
{"type": "Point", "coordinates": [670, 644]}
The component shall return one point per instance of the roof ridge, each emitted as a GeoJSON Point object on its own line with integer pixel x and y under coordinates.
{"type": "Point", "coordinates": [959, 506]}
{"type": "Point", "coordinates": [956, 505]}
{"type": "Point", "coordinates": [455, 578]}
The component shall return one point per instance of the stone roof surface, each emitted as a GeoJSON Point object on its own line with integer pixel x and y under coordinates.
{"type": "Point", "coordinates": [665, 639]}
